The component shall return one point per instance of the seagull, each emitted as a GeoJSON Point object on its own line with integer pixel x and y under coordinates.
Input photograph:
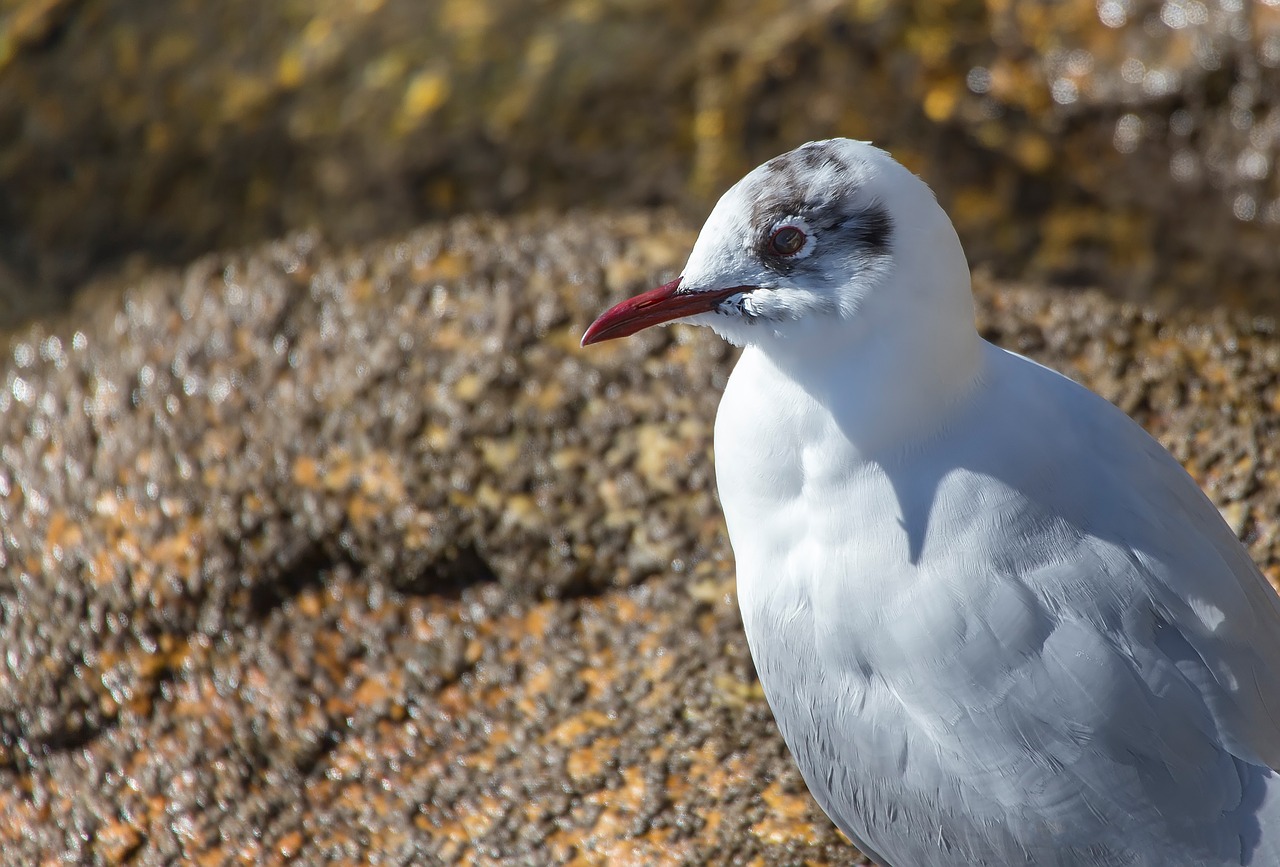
{"type": "Point", "coordinates": [996, 622]}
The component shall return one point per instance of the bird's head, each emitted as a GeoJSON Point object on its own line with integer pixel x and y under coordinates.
{"type": "Point", "coordinates": [817, 236]}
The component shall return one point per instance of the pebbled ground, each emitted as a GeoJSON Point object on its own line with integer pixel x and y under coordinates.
{"type": "Point", "coordinates": [325, 555]}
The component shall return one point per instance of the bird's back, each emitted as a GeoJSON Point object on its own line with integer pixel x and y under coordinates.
{"type": "Point", "coordinates": [1083, 673]}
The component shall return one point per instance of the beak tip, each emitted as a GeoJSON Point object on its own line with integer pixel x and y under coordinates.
{"type": "Point", "coordinates": [654, 307]}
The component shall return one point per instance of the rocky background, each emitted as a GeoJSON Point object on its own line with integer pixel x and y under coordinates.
{"type": "Point", "coordinates": [338, 549]}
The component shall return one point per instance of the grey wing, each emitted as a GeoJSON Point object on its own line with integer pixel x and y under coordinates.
{"type": "Point", "coordinates": [1069, 748]}
{"type": "Point", "coordinates": [1108, 698]}
{"type": "Point", "coordinates": [1217, 615]}
{"type": "Point", "coordinates": [1223, 615]}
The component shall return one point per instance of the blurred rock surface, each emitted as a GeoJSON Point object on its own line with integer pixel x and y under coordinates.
{"type": "Point", "coordinates": [1125, 143]}
{"type": "Point", "coordinates": [339, 556]}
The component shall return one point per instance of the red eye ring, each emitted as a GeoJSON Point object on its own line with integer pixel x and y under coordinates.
{"type": "Point", "coordinates": [787, 240]}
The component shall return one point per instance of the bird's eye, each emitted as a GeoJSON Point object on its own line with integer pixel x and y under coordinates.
{"type": "Point", "coordinates": [787, 240]}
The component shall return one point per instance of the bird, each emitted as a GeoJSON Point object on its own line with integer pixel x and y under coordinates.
{"type": "Point", "coordinates": [997, 623]}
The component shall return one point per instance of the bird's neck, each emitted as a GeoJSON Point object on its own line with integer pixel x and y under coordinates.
{"type": "Point", "coordinates": [885, 385]}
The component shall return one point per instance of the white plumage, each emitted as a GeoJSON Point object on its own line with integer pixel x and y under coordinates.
{"type": "Point", "coordinates": [997, 623]}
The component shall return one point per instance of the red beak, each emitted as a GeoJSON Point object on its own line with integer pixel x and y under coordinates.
{"type": "Point", "coordinates": [653, 308]}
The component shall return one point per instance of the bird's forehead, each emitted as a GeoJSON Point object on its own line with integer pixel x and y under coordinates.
{"type": "Point", "coordinates": [810, 178]}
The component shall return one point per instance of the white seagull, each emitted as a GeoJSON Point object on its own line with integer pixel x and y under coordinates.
{"type": "Point", "coordinates": [997, 623]}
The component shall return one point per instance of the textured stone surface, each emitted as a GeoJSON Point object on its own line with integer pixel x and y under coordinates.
{"type": "Point", "coordinates": [356, 556]}
{"type": "Point", "coordinates": [1128, 143]}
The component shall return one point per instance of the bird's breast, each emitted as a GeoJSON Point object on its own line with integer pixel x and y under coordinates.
{"type": "Point", "coordinates": [805, 512]}
{"type": "Point", "coordinates": [895, 564]}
